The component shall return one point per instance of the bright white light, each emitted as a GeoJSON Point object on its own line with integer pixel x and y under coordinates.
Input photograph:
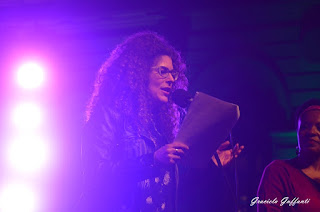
{"type": "Point", "coordinates": [17, 198]}
{"type": "Point", "coordinates": [27, 115]}
{"type": "Point", "coordinates": [30, 75]}
{"type": "Point", "coordinates": [29, 154]}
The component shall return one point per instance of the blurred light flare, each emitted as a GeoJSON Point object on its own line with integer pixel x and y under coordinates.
{"type": "Point", "coordinates": [28, 154]}
{"type": "Point", "coordinates": [30, 75]}
{"type": "Point", "coordinates": [27, 115]}
{"type": "Point", "coordinates": [17, 197]}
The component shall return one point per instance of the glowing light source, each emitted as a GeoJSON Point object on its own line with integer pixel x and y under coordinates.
{"type": "Point", "coordinates": [30, 75]}
{"type": "Point", "coordinates": [27, 115]}
{"type": "Point", "coordinates": [29, 154]}
{"type": "Point", "coordinates": [16, 198]}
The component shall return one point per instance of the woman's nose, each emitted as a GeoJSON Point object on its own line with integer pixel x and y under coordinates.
{"type": "Point", "coordinates": [313, 131]}
{"type": "Point", "coordinates": [170, 77]}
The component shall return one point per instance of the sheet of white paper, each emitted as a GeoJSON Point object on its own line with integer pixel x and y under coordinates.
{"type": "Point", "coordinates": [207, 124]}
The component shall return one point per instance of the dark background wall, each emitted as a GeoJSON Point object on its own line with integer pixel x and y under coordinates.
{"type": "Point", "coordinates": [263, 56]}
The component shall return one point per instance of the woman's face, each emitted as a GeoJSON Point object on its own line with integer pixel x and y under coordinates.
{"type": "Point", "coordinates": [309, 131]}
{"type": "Point", "coordinates": [160, 86]}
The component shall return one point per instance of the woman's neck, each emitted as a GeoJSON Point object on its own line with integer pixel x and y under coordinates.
{"type": "Point", "coordinates": [309, 160]}
{"type": "Point", "coordinates": [310, 166]}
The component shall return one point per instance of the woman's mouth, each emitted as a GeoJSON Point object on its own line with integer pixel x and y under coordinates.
{"type": "Point", "coordinates": [166, 91]}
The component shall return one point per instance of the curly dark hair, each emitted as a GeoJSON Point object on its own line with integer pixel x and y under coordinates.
{"type": "Point", "coordinates": [122, 83]}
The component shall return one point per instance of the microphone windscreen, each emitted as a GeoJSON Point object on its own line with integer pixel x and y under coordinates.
{"type": "Point", "coordinates": [182, 98]}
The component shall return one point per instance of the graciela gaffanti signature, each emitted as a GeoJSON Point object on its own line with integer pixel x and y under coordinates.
{"type": "Point", "coordinates": [283, 201]}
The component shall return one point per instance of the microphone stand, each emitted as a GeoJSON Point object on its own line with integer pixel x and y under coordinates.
{"type": "Point", "coordinates": [235, 177]}
{"type": "Point", "coordinates": [234, 194]}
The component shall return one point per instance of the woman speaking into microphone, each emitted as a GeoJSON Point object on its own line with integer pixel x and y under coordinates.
{"type": "Point", "coordinates": [128, 148]}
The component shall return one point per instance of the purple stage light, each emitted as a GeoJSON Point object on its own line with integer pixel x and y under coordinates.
{"type": "Point", "coordinates": [28, 154]}
{"type": "Point", "coordinates": [27, 115]}
{"type": "Point", "coordinates": [17, 197]}
{"type": "Point", "coordinates": [30, 75]}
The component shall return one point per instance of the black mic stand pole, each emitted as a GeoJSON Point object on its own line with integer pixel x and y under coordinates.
{"type": "Point", "coordinates": [235, 176]}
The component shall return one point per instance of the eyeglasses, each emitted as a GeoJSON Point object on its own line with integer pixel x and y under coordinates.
{"type": "Point", "coordinates": [164, 72]}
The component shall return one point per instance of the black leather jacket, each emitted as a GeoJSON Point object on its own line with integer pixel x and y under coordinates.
{"type": "Point", "coordinates": [119, 170]}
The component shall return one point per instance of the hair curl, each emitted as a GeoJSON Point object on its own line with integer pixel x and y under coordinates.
{"type": "Point", "coordinates": [122, 83]}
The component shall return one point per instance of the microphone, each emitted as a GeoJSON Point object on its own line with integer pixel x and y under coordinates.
{"type": "Point", "coordinates": [182, 98]}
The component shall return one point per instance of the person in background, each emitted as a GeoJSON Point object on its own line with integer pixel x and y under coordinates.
{"type": "Point", "coordinates": [294, 184]}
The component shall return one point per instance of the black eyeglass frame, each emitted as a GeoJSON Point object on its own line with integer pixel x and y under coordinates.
{"type": "Point", "coordinates": [161, 69]}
